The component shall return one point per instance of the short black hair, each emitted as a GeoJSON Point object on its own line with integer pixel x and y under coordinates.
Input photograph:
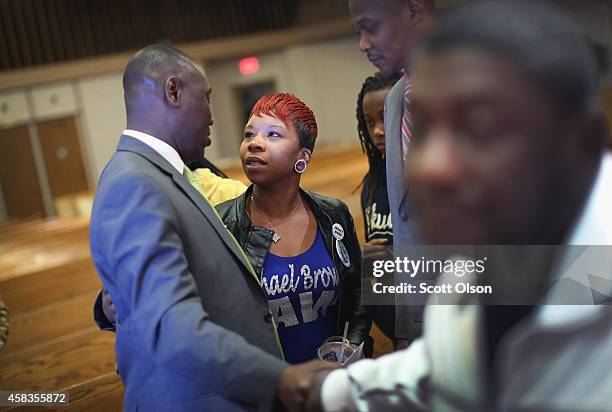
{"type": "Point", "coordinates": [153, 62]}
{"type": "Point", "coordinates": [536, 35]}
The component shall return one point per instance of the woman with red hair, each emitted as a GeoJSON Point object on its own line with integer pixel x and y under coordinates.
{"type": "Point", "coordinates": [302, 245]}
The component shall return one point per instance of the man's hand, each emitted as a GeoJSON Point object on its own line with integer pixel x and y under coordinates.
{"type": "Point", "coordinates": [295, 383]}
{"type": "Point", "coordinates": [107, 307]}
{"type": "Point", "coordinates": [314, 402]}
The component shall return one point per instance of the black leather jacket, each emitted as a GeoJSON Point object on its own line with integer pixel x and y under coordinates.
{"type": "Point", "coordinates": [256, 240]}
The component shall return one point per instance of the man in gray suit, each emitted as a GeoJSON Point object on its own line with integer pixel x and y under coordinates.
{"type": "Point", "coordinates": [194, 331]}
{"type": "Point", "coordinates": [387, 29]}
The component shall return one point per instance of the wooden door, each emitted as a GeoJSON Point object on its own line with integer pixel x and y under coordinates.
{"type": "Point", "coordinates": [61, 150]}
{"type": "Point", "coordinates": [18, 177]}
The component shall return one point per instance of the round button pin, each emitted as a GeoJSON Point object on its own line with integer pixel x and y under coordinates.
{"type": "Point", "coordinates": [343, 253]}
{"type": "Point", "coordinates": [338, 231]}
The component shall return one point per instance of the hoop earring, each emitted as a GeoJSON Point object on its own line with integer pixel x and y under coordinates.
{"type": "Point", "coordinates": [300, 166]}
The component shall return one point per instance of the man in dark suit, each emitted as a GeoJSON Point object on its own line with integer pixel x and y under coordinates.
{"type": "Point", "coordinates": [194, 331]}
{"type": "Point", "coordinates": [387, 29]}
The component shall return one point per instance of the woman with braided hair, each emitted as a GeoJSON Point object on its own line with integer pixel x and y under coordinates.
{"type": "Point", "coordinates": [371, 128]}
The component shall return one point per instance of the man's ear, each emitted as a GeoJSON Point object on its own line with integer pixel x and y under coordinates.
{"type": "Point", "coordinates": [417, 10]}
{"type": "Point", "coordinates": [172, 90]}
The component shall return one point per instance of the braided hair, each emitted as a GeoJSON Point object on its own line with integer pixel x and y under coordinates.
{"type": "Point", "coordinates": [375, 157]}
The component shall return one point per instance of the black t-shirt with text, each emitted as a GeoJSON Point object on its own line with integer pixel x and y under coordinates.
{"type": "Point", "coordinates": [377, 217]}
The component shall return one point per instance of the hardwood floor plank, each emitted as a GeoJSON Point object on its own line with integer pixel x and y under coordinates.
{"type": "Point", "coordinates": [78, 360]}
{"type": "Point", "coordinates": [51, 322]}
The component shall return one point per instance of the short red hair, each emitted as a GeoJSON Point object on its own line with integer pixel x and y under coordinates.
{"type": "Point", "coordinates": [290, 110]}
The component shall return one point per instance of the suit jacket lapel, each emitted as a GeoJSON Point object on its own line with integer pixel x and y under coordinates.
{"type": "Point", "coordinates": [128, 143]}
{"type": "Point", "coordinates": [213, 218]}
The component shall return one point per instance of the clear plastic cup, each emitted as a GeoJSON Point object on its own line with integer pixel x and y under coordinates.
{"type": "Point", "coordinates": [330, 351]}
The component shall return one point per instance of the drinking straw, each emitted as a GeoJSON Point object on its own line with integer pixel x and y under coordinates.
{"type": "Point", "coordinates": [343, 340]}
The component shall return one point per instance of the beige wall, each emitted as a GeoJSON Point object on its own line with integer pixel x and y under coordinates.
{"type": "Point", "coordinates": [102, 118]}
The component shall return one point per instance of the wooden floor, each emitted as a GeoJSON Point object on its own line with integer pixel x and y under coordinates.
{"type": "Point", "coordinates": [48, 282]}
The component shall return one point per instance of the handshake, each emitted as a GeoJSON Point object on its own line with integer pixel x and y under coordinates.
{"type": "Point", "coordinates": [299, 387]}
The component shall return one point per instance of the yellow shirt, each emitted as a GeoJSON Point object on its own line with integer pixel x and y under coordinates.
{"type": "Point", "coordinates": [216, 188]}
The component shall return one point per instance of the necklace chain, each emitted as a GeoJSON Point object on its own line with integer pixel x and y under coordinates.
{"type": "Point", "coordinates": [275, 237]}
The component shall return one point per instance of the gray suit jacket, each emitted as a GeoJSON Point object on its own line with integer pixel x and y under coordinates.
{"type": "Point", "coordinates": [404, 230]}
{"type": "Point", "coordinates": [194, 330]}
{"type": "Point", "coordinates": [408, 319]}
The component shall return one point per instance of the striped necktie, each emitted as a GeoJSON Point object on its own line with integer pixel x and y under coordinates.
{"type": "Point", "coordinates": [406, 120]}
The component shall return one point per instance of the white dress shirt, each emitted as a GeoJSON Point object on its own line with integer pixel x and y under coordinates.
{"type": "Point", "coordinates": [164, 149]}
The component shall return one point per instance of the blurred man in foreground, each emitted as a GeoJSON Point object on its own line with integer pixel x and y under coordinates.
{"type": "Point", "coordinates": [508, 149]}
